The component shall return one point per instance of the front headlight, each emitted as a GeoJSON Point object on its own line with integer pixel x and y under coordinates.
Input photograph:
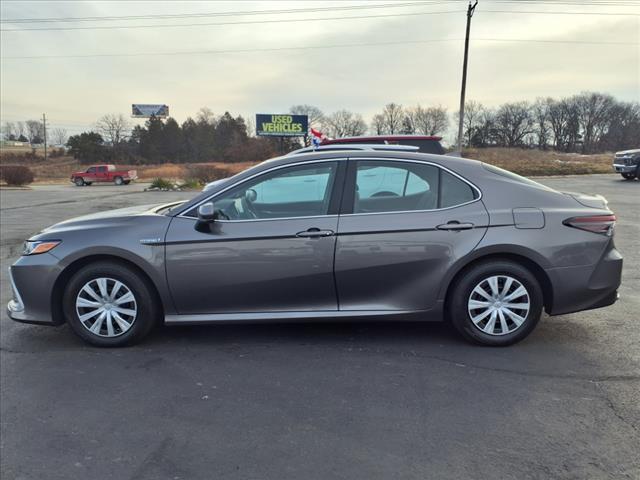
{"type": "Point", "coordinates": [39, 246]}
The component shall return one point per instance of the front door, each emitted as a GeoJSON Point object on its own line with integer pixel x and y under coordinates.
{"type": "Point", "coordinates": [404, 225]}
{"type": "Point", "coordinates": [270, 250]}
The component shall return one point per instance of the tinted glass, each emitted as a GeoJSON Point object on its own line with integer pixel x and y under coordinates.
{"type": "Point", "coordinates": [454, 191]}
{"type": "Point", "coordinates": [394, 186]}
{"type": "Point", "coordinates": [513, 176]}
{"type": "Point", "coordinates": [289, 192]}
{"type": "Point", "coordinates": [102, 169]}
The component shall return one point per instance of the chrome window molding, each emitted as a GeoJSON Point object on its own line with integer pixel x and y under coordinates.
{"type": "Point", "coordinates": [437, 165]}
{"type": "Point", "coordinates": [423, 162]}
{"type": "Point", "coordinates": [229, 187]}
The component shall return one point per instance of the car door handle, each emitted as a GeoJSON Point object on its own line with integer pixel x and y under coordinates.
{"type": "Point", "coordinates": [455, 226]}
{"type": "Point", "coordinates": [314, 232]}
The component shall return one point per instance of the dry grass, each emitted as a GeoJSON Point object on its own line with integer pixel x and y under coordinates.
{"type": "Point", "coordinates": [168, 170]}
{"type": "Point", "coordinates": [60, 169]}
{"type": "Point", "coordinates": [537, 163]}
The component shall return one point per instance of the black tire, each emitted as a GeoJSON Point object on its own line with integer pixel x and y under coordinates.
{"type": "Point", "coordinates": [127, 182]}
{"type": "Point", "coordinates": [118, 180]}
{"type": "Point", "coordinates": [145, 302]}
{"type": "Point", "coordinates": [88, 184]}
{"type": "Point", "coordinates": [458, 312]}
{"type": "Point", "coordinates": [628, 176]}
{"type": "Point", "coordinates": [79, 181]}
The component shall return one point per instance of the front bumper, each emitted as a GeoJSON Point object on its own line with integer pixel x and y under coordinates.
{"type": "Point", "coordinates": [32, 280]}
{"type": "Point", "coordinates": [622, 168]}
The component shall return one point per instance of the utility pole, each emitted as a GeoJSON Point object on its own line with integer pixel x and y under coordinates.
{"type": "Point", "coordinates": [44, 123]}
{"type": "Point", "coordinates": [470, 10]}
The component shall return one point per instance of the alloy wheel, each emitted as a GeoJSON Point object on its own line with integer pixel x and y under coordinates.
{"type": "Point", "coordinates": [499, 305]}
{"type": "Point", "coordinates": [106, 307]}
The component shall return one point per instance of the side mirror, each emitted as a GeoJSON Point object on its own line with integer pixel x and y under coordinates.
{"type": "Point", "coordinates": [206, 212]}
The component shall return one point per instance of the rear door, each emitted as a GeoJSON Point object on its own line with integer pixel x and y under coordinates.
{"type": "Point", "coordinates": [404, 223]}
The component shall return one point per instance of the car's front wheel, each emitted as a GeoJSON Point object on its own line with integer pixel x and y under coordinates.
{"type": "Point", "coordinates": [79, 181]}
{"type": "Point", "coordinates": [109, 304]}
{"type": "Point", "coordinates": [496, 303]}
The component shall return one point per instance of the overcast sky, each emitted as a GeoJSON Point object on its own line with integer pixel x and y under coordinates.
{"type": "Point", "coordinates": [74, 92]}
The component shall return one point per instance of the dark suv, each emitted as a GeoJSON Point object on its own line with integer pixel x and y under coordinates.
{"type": "Point", "coordinates": [627, 163]}
{"type": "Point", "coordinates": [425, 143]}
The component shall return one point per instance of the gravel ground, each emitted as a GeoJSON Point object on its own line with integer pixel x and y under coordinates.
{"type": "Point", "coordinates": [320, 401]}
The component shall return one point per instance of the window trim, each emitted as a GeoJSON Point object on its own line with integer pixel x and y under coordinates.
{"type": "Point", "coordinates": [346, 210]}
{"type": "Point", "coordinates": [337, 183]}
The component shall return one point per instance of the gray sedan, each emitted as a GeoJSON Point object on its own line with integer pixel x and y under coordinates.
{"type": "Point", "coordinates": [329, 236]}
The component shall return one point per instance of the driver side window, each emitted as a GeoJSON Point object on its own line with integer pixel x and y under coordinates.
{"type": "Point", "coordinates": [298, 191]}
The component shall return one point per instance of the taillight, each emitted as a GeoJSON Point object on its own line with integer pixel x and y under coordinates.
{"type": "Point", "coordinates": [602, 224]}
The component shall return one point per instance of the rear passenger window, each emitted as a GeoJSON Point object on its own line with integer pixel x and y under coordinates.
{"type": "Point", "coordinates": [393, 186]}
{"type": "Point", "coordinates": [383, 186]}
{"type": "Point", "coordinates": [454, 191]}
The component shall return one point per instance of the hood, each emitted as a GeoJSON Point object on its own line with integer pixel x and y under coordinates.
{"type": "Point", "coordinates": [591, 201]}
{"type": "Point", "coordinates": [628, 152]}
{"type": "Point", "coordinates": [110, 218]}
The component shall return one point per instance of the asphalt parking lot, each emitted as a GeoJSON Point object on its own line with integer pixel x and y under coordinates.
{"type": "Point", "coordinates": [374, 401]}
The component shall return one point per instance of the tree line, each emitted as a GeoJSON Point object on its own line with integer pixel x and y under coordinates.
{"type": "Point", "coordinates": [587, 123]}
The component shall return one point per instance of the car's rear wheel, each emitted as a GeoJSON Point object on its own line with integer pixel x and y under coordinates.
{"type": "Point", "coordinates": [79, 181]}
{"type": "Point", "coordinates": [496, 303]}
{"type": "Point", "coordinates": [109, 305]}
{"type": "Point", "coordinates": [629, 176]}
{"type": "Point", "coordinates": [118, 180]}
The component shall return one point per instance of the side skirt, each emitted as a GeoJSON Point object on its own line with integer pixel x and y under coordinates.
{"type": "Point", "coordinates": [312, 316]}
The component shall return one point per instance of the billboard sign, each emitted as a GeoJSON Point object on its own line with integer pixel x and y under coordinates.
{"type": "Point", "coordinates": [284, 125]}
{"type": "Point", "coordinates": [143, 110]}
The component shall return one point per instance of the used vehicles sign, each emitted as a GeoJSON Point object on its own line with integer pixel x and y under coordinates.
{"type": "Point", "coordinates": [281, 125]}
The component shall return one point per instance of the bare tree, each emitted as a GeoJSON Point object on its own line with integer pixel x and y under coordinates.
{"type": "Point", "coordinates": [393, 116]}
{"type": "Point", "coordinates": [541, 116]}
{"type": "Point", "coordinates": [593, 116]}
{"type": "Point", "coordinates": [59, 136]}
{"type": "Point", "coordinates": [9, 131]}
{"type": "Point", "coordinates": [377, 124]}
{"type": "Point", "coordinates": [114, 128]}
{"type": "Point", "coordinates": [428, 121]}
{"type": "Point", "coordinates": [344, 123]}
{"type": "Point", "coordinates": [314, 113]}
{"type": "Point", "coordinates": [20, 129]}
{"type": "Point", "coordinates": [513, 123]}
{"type": "Point", "coordinates": [205, 115]}
{"type": "Point", "coordinates": [473, 113]}
{"type": "Point", "coordinates": [35, 131]}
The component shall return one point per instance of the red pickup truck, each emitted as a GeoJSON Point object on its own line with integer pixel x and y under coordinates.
{"type": "Point", "coordinates": [103, 173]}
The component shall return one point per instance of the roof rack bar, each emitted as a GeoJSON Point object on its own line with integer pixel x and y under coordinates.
{"type": "Point", "coordinates": [361, 147]}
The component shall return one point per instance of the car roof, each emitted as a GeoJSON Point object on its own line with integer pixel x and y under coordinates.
{"type": "Point", "coordinates": [372, 138]}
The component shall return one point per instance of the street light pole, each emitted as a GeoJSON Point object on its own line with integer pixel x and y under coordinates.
{"type": "Point", "coordinates": [470, 10]}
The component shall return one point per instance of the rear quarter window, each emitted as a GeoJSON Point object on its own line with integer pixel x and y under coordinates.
{"type": "Point", "coordinates": [454, 191]}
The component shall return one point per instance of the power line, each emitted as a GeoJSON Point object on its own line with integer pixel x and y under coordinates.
{"type": "Point", "coordinates": [594, 3]}
{"type": "Point", "coordinates": [242, 22]}
{"type": "Point", "coordinates": [220, 14]}
{"type": "Point", "coordinates": [293, 20]}
{"type": "Point", "coordinates": [315, 47]}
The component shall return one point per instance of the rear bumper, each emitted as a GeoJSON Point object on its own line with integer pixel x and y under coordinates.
{"type": "Point", "coordinates": [622, 168]}
{"type": "Point", "coordinates": [586, 287]}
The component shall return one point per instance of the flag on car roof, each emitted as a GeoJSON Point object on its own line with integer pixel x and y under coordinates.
{"type": "Point", "coordinates": [317, 137]}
